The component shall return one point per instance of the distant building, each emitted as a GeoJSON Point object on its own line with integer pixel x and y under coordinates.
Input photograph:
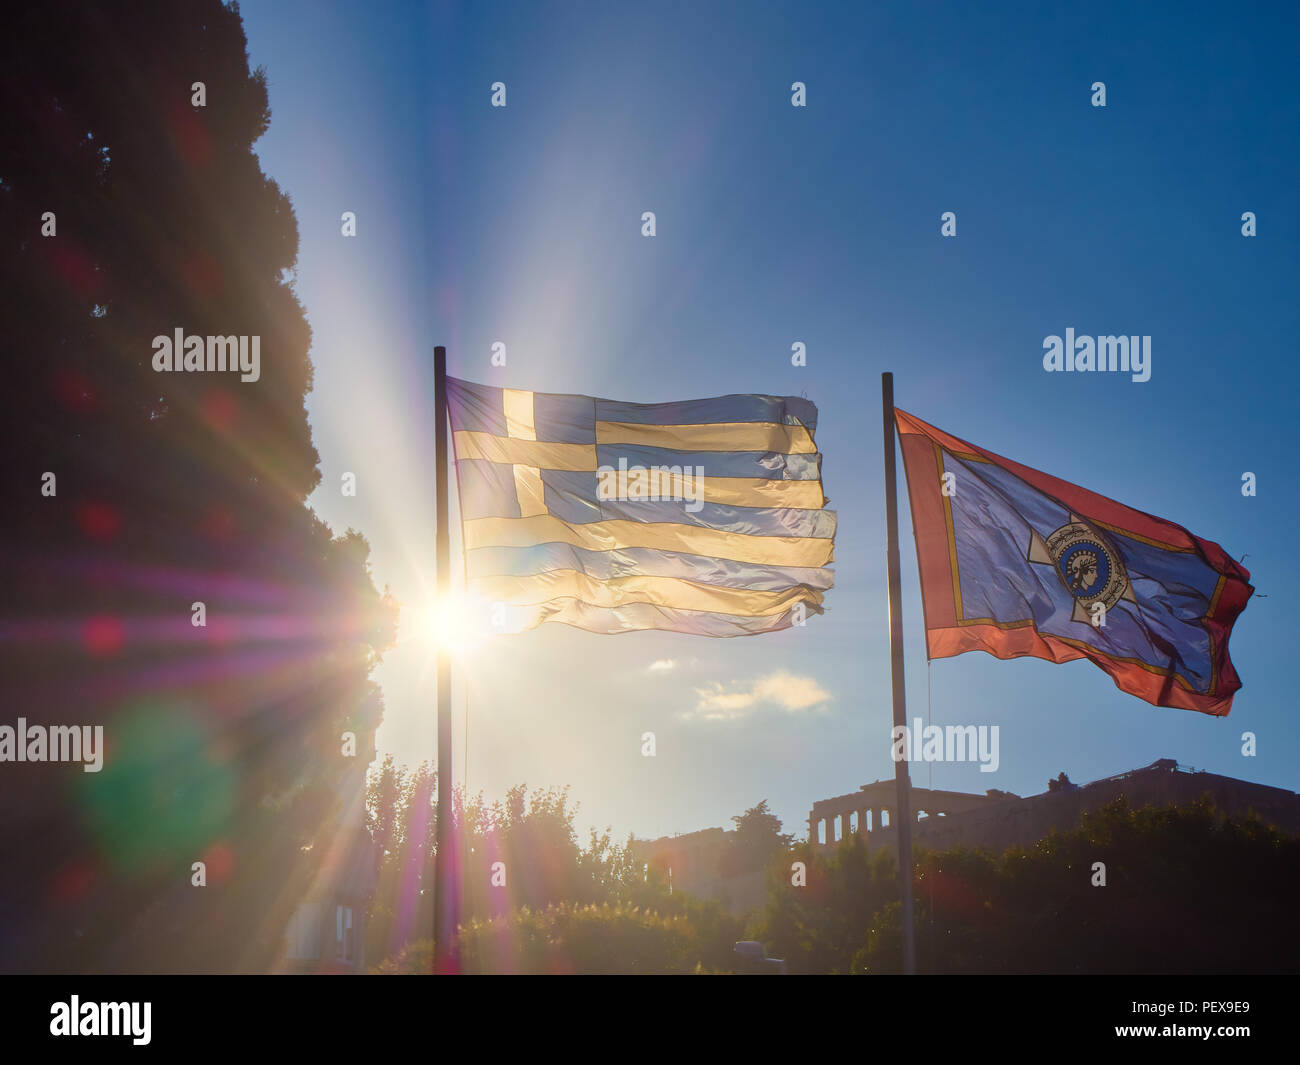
{"type": "Point", "coordinates": [693, 863]}
{"type": "Point", "coordinates": [689, 863]}
{"type": "Point", "coordinates": [327, 931]}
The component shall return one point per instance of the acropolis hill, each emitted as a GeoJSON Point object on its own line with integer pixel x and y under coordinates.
{"type": "Point", "coordinates": [995, 821]}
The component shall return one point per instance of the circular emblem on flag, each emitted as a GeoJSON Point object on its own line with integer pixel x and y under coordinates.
{"type": "Point", "coordinates": [1087, 564]}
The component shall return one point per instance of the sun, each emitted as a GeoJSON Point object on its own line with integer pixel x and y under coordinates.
{"type": "Point", "coordinates": [458, 623]}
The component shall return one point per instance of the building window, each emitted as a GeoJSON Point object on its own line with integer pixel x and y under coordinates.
{"type": "Point", "coordinates": [343, 933]}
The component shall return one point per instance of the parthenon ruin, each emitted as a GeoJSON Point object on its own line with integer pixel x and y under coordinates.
{"type": "Point", "coordinates": [871, 808]}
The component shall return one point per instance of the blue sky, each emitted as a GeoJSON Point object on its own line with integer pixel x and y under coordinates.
{"type": "Point", "coordinates": [822, 225]}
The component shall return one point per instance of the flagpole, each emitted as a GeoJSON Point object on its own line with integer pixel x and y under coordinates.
{"type": "Point", "coordinates": [904, 798]}
{"type": "Point", "coordinates": [444, 887]}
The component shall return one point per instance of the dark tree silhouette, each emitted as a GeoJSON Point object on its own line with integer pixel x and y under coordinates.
{"type": "Point", "coordinates": [127, 212]}
{"type": "Point", "coordinates": [757, 841]}
{"type": "Point", "coordinates": [1187, 889]}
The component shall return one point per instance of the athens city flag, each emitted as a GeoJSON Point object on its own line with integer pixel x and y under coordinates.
{"type": "Point", "coordinates": [704, 517]}
{"type": "Point", "coordinates": [1016, 562]}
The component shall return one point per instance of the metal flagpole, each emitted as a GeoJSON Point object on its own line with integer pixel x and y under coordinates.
{"type": "Point", "coordinates": [904, 800]}
{"type": "Point", "coordinates": [445, 901]}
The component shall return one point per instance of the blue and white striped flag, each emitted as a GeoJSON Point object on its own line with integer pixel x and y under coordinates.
{"type": "Point", "coordinates": [703, 517]}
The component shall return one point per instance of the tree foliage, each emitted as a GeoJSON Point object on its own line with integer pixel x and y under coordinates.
{"type": "Point", "coordinates": [170, 489]}
{"type": "Point", "coordinates": [817, 927]}
{"type": "Point", "coordinates": [756, 842]}
{"type": "Point", "coordinates": [515, 852]}
{"type": "Point", "coordinates": [592, 939]}
{"type": "Point", "coordinates": [609, 912]}
{"type": "Point", "coordinates": [1187, 889]}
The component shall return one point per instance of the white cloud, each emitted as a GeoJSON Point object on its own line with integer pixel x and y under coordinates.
{"type": "Point", "coordinates": [791, 692]}
{"type": "Point", "coordinates": [662, 665]}
{"type": "Point", "coordinates": [783, 689]}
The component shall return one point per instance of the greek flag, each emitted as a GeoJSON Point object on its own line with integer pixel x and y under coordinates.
{"type": "Point", "coordinates": [704, 517]}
